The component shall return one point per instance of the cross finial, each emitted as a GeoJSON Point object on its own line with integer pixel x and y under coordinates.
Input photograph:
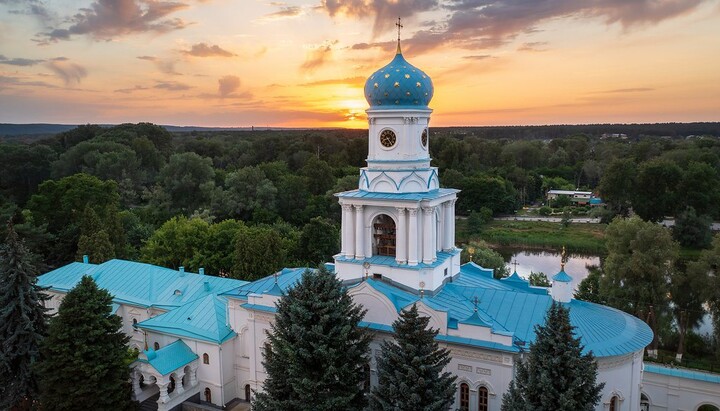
{"type": "Point", "coordinates": [399, 26]}
{"type": "Point", "coordinates": [563, 259]}
{"type": "Point", "coordinates": [476, 301]}
{"type": "Point", "coordinates": [515, 264]}
{"type": "Point", "coordinates": [276, 277]}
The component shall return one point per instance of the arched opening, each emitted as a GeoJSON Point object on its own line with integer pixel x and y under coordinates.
{"type": "Point", "coordinates": [206, 359]}
{"type": "Point", "coordinates": [248, 393]}
{"type": "Point", "coordinates": [483, 398]}
{"type": "Point", "coordinates": [708, 407]}
{"type": "Point", "coordinates": [186, 377]}
{"type": "Point", "coordinates": [156, 346]}
{"type": "Point", "coordinates": [384, 235]}
{"type": "Point", "coordinates": [135, 323]}
{"type": "Point", "coordinates": [171, 386]}
{"type": "Point", "coordinates": [644, 402]}
{"type": "Point", "coordinates": [464, 397]}
{"type": "Point", "coordinates": [208, 395]}
{"type": "Point", "coordinates": [614, 403]}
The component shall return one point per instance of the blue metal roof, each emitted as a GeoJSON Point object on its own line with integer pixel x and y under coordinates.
{"type": "Point", "coordinates": [273, 284]}
{"type": "Point", "coordinates": [161, 287]}
{"type": "Point", "coordinates": [171, 357]}
{"type": "Point", "coordinates": [430, 195]}
{"type": "Point", "coordinates": [563, 277]}
{"type": "Point", "coordinates": [204, 319]}
{"type": "Point", "coordinates": [682, 373]}
{"type": "Point", "coordinates": [390, 261]}
{"type": "Point", "coordinates": [399, 85]}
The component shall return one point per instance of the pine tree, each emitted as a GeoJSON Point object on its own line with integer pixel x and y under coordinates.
{"type": "Point", "coordinates": [316, 351]}
{"type": "Point", "coordinates": [556, 376]}
{"type": "Point", "coordinates": [22, 323]}
{"type": "Point", "coordinates": [84, 355]}
{"type": "Point", "coordinates": [410, 369]}
{"type": "Point", "coordinates": [94, 240]}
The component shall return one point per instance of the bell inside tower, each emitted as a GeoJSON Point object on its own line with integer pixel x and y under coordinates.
{"type": "Point", "coordinates": [384, 235]}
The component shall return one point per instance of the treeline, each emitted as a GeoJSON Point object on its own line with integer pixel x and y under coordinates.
{"type": "Point", "coordinates": [117, 191]}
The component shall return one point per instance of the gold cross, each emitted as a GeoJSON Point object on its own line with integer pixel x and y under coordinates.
{"type": "Point", "coordinates": [399, 26]}
{"type": "Point", "coordinates": [475, 302]}
{"type": "Point", "coordinates": [515, 264]}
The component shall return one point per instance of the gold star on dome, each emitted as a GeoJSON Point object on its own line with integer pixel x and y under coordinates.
{"type": "Point", "coordinates": [424, 76]}
{"type": "Point", "coordinates": [407, 76]}
{"type": "Point", "coordinates": [407, 93]}
{"type": "Point", "coordinates": [386, 94]}
{"type": "Point", "coordinates": [396, 84]}
{"type": "Point", "coordinates": [418, 84]}
{"type": "Point", "coordinates": [376, 85]}
{"type": "Point", "coordinates": [387, 75]}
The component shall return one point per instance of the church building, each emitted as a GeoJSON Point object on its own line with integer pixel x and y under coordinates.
{"type": "Point", "coordinates": [201, 336]}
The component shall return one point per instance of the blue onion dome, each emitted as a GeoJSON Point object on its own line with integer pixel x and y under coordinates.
{"type": "Point", "coordinates": [399, 85]}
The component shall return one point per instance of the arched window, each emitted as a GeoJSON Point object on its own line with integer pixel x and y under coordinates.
{"type": "Point", "coordinates": [206, 359]}
{"type": "Point", "coordinates": [156, 345]}
{"type": "Point", "coordinates": [171, 386]}
{"type": "Point", "coordinates": [247, 393]}
{"type": "Point", "coordinates": [708, 407]}
{"type": "Point", "coordinates": [644, 402]}
{"type": "Point", "coordinates": [614, 403]}
{"type": "Point", "coordinates": [208, 395]}
{"type": "Point", "coordinates": [384, 236]}
{"type": "Point", "coordinates": [483, 399]}
{"type": "Point", "coordinates": [135, 323]}
{"type": "Point", "coordinates": [464, 397]}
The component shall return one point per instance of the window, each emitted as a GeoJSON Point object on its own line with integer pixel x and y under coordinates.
{"type": "Point", "coordinates": [135, 323]}
{"type": "Point", "coordinates": [644, 403]}
{"type": "Point", "coordinates": [247, 393]}
{"type": "Point", "coordinates": [483, 399]}
{"type": "Point", "coordinates": [208, 395]}
{"type": "Point", "coordinates": [156, 346]}
{"type": "Point", "coordinates": [614, 403]}
{"type": "Point", "coordinates": [464, 397]}
{"type": "Point", "coordinates": [206, 359]}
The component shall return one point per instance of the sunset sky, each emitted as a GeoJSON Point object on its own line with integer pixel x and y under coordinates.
{"type": "Point", "coordinates": [302, 63]}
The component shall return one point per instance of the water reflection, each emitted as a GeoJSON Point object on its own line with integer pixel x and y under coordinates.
{"type": "Point", "coordinates": [548, 262]}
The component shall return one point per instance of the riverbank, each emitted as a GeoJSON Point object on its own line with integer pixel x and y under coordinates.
{"type": "Point", "coordinates": [540, 235]}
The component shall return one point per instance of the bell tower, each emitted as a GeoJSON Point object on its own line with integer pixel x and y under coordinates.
{"type": "Point", "coordinates": [399, 225]}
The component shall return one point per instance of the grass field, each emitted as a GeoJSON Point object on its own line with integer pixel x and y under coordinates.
{"type": "Point", "coordinates": [579, 238]}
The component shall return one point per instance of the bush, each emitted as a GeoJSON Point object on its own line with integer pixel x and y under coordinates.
{"type": "Point", "coordinates": [544, 211]}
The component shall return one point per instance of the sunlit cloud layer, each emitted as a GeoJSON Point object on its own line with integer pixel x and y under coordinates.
{"type": "Point", "coordinates": [303, 63]}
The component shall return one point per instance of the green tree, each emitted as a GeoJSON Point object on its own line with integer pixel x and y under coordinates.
{"type": "Point", "coordinates": [22, 323]}
{"type": "Point", "coordinates": [656, 190]}
{"type": "Point", "coordinates": [188, 180]}
{"type": "Point", "coordinates": [708, 267]}
{"type": "Point", "coordinates": [692, 230]}
{"type": "Point", "coordinates": [538, 279]}
{"type": "Point", "coordinates": [637, 269]}
{"type": "Point", "coordinates": [589, 287]}
{"type": "Point", "coordinates": [217, 252]}
{"type": "Point", "coordinates": [556, 374]}
{"type": "Point", "coordinates": [617, 185]}
{"type": "Point", "coordinates": [259, 251]}
{"type": "Point", "coordinates": [85, 343]}
{"type": "Point", "coordinates": [321, 175]}
{"type": "Point", "coordinates": [94, 240]}
{"type": "Point", "coordinates": [410, 369]}
{"type": "Point", "coordinates": [477, 219]}
{"type": "Point", "coordinates": [700, 186]}
{"type": "Point", "coordinates": [316, 352]}
{"type": "Point", "coordinates": [481, 254]}
{"type": "Point", "coordinates": [247, 190]}
{"type": "Point", "coordinates": [178, 242]}
{"type": "Point", "coordinates": [319, 240]}
{"type": "Point", "coordinates": [687, 288]}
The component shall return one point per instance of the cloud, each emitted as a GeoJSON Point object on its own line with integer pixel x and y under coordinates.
{"type": "Point", "coordinates": [171, 86]}
{"type": "Point", "coordinates": [384, 12]}
{"type": "Point", "coordinates": [318, 56]}
{"type": "Point", "coordinates": [285, 12]}
{"type": "Point", "coordinates": [533, 46]}
{"type": "Point", "coordinates": [485, 24]}
{"type": "Point", "coordinates": [478, 57]}
{"type": "Point", "coordinates": [626, 90]}
{"type": "Point", "coordinates": [6, 81]}
{"type": "Point", "coordinates": [19, 61]}
{"type": "Point", "coordinates": [348, 80]}
{"type": "Point", "coordinates": [205, 50]}
{"type": "Point", "coordinates": [165, 66]}
{"type": "Point", "coordinates": [70, 73]}
{"type": "Point", "coordinates": [132, 89]}
{"type": "Point", "coordinates": [227, 85]}
{"type": "Point", "coordinates": [107, 19]}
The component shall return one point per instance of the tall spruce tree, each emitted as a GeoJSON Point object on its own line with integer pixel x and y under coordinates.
{"type": "Point", "coordinates": [410, 369]}
{"type": "Point", "coordinates": [22, 323]}
{"type": "Point", "coordinates": [316, 352]}
{"type": "Point", "coordinates": [556, 376]}
{"type": "Point", "coordinates": [84, 355]}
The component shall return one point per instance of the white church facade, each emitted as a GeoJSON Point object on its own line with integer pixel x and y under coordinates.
{"type": "Point", "coordinates": [200, 336]}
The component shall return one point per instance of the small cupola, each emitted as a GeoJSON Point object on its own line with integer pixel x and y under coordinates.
{"type": "Point", "coordinates": [562, 291]}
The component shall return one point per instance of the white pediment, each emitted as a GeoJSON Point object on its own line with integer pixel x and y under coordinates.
{"type": "Point", "coordinates": [380, 309]}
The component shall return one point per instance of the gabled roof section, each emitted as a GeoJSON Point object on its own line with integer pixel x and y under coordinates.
{"type": "Point", "coordinates": [275, 284]}
{"type": "Point", "coordinates": [204, 319]}
{"type": "Point", "coordinates": [563, 277]}
{"type": "Point", "coordinates": [140, 284]}
{"type": "Point", "coordinates": [171, 357]}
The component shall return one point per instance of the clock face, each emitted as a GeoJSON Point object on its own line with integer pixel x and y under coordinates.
{"type": "Point", "coordinates": [424, 138]}
{"type": "Point", "coordinates": [387, 138]}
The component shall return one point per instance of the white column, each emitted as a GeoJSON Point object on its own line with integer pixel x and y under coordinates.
{"type": "Point", "coordinates": [359, 231]}
{"type": "Point", "coordinates": [193, 373]}
{"type": "Point", "coordinates": [413, 237]}
{"type": "Point", "coordinates": [447, 225]}
{"type": "Point", "coordinates": [163, 386]}
{"type": "Point", "coordinates": [179, 382]}
{"type": "Point", "coordinates": [428, 240]}
{"type": "Point", "coordinates": [137, 389]}
{"type": "Point", "coordinates": [348, 239]}
{"type": "Point", "coordinates": [401, 237]}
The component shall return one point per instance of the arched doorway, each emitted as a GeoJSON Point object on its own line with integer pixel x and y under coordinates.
{"type": "Point", "coordinates": [708, 407]}
{"type": "Point", "coordinates": [383, 235]}
{"type": "Point", "coordinates": [247, 393]}
{"type": "Point", "coordinates": [614, 403]}
{"type": "Point", "coordinates": [644, 402]}
{"type": "Point", "coordinates": [208, 395]}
